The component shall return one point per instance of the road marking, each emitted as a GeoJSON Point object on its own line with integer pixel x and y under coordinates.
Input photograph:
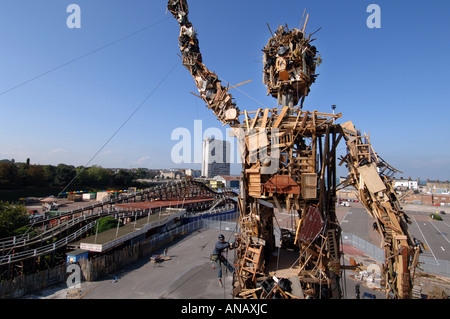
{"type": "Point", "coordinates": [440, 233]}
{"type": "Point", "coordinates": [442, 248]}
{"type": "Point", "coordinates": [429, 247]}
{"type": "Point", "coordinates": [345, 216]}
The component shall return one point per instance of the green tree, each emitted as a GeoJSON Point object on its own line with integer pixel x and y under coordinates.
{"type": "Point", "coordinates": [94, 176]}
{"type": "Point", "coordinates": [100, 176]}
{"type": "Point", "coordinates": [140, 173]}
{"type": "Point", "coordinates": [12, 217]}
{"type": "Point", "coordinates": [123, 178]}
{"type": "Point", "coordinates": [9, 175]}
{"type": "Point", "coordinates": [107, 223]}
{"type": "Point", "coordinates": [36, 176]}
{"type": "Point", "coordinates": [22, 175]}
{"type": "Point", "coordinates": [49, 174]}
{"type": "Point", "coordinates": [64, 174]}
{"type": "Point", "coordinates": [83, 177]}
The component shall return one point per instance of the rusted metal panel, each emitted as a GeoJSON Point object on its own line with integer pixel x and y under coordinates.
{"type": "Point", "coordinates": [312, 225]}
{"type": "Point", "coordinates": [282, 184]}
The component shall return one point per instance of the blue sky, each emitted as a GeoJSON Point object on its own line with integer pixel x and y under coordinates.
{"type": "Point", "coordinates": [392, 82]}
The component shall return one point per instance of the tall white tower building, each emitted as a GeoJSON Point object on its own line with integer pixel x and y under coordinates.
{"type": "Point", "coordinates": [215, 158]}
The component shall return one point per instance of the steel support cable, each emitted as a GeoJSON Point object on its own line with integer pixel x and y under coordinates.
{"type": "Point", "coordinates": [84, 55]}
{"type": "Point", "coordinates": [123, 124]}
{"type": "Point", "coordinates": [246, 94]}
{"type": "Point", "coordinates": [81, 57]}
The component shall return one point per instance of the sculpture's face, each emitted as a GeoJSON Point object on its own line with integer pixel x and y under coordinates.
{"type": "Point", "coordinates": [289, 66]}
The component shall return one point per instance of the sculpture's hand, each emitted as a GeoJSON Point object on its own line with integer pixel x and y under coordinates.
{"type": "Point", "coordinates": [211, 91]}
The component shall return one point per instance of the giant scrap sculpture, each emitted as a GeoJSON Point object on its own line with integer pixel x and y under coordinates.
{"type": "Point", "coordinates": [289, 164]}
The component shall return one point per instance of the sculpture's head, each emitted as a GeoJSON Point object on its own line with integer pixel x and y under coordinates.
{"type": "Point", "coordinates": [289, 66]}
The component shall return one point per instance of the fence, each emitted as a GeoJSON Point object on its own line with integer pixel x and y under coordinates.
{"type": "Point", "coordinates": [426, 264]}
{"type": "Point", "coordinates": [96, 268]}
{"type": "Point", "coordinates": [29, 284]}
{"type": "Point", "coordinates": [435, 266]}
{"type": "Point", "coordinates": [368, 248]}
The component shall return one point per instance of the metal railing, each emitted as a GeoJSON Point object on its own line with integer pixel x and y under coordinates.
{"type": "Point", "coordinates": [368, 248]}
{"type": "Point", "coordinates": [46, 248]}
{"type": "Point", "coordinates": [15, 241]}
{"type": "Point", "coordinates": [426, 264]}
{"type": "Point", "coordinates": [222, 222]}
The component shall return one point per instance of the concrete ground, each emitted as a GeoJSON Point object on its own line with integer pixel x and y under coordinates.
{"type": "Point", "coordinates": [188, 274]}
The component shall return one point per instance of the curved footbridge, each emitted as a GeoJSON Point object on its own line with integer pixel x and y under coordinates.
{"type": "Point", "coordinates": [141, 212]}
{"type": "Point", "coordinates": [168, 214]}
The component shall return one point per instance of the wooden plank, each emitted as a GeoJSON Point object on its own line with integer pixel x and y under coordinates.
{"type": "Point", "coordinates": [309, 185]}
{"type": "Point", "coordinates": [234, 86]}
{"type": "Point", "coordinates": [246, 119]}
{"type": "Point", "coordinates": [304, 26]}
{"type": "Point", "coordinates": [264, 120]}
{"type": "Point", "coordinates": [349, 128]}
{"type": "Point", "coordinates": [281, 116]}
{"type": "Point", "coordinates": [257, 140]}
{"type": "Point", "coordinates": [255, 119]}
{"type": "Point", "coordinates": [371, 178]}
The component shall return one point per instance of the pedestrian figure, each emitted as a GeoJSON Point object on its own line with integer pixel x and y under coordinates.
{"type": "Point", "coordinates": [219, 258]}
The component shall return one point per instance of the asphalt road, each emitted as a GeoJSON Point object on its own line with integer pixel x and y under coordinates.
{"type": "Point", "coordinates": [187, 275]}
{"type": "Point", "coordinates": [435, 234]}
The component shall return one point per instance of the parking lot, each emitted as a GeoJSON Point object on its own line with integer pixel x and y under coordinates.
{"type": "Point", "coordinates": [433, 233]}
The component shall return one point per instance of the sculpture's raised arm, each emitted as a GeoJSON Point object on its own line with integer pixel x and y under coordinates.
{"type": "Point", "coordinates": [209, 86]}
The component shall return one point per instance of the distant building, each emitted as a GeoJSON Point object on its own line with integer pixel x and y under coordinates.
{"type": "Point", "coordinates": [214, 184]}
{"type": "Point", "coordinates": [428, 199]}
{"type": "Point", "coordinates": [172, 174]}
{"type": "Point", "coordinates": [406, 183]}
{"type": "Point", "coordinates": [437, 186]}
{"type": "Point", "coordinates": [192, 172]}
{"type": "Point", "coordinates": [76, 255]}
{"type": "Point", "coordinates": [215, 158]}
{"type": "Point", "coordinates": [229, 181]}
